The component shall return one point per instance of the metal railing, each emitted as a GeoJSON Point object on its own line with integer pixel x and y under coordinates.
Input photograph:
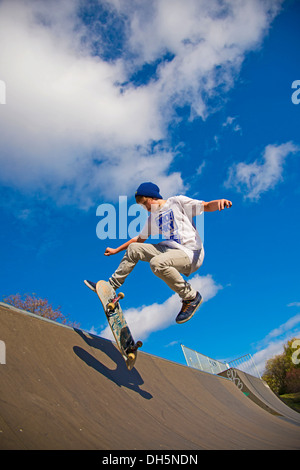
{"type": "Point", "coordinates": [246, 364]}
{"type": "Point", "coordinates": [213, 366]}
{"type": "Point", "coordinates": [200, 361]}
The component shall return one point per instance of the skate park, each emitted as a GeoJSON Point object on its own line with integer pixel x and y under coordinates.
{"type": "Point", "coordinates": [63, 388]}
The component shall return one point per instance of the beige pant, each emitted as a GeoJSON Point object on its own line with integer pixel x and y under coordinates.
{"type": "Point", "coordinates": [166, 263]}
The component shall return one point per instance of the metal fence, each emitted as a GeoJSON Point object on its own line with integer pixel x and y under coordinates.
{"type": "Point", "coordinates": [213, 366]}
{"type": "Point", "coordinates": [246, 364]}
{"type": "Point", "coordinates": [200, 361]}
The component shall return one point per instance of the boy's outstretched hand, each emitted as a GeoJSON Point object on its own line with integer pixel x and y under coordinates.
{"type": "Point", "coordinates": [110, 251]}
{"type": "Point", "coordinates": [224, 203]}
{"type": "Point", "coordinates": [217, 205]}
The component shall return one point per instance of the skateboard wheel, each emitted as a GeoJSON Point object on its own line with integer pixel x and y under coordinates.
{"type": "Point", "coordinates": [139, 344]}
{"type": "Point", "coordinates": [121, 295]}
{"type": "Point", "coordinates": [131, 356]}
{"type": "Point", "coordinates": [111, 306]}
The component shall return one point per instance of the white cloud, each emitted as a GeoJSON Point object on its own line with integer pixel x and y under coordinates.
{"type": "Point", "coordinates": [232, 124]}
{"type": "Point", "coordinates": [74, 121]}
{"type": "Point", "coordinates": [145, 320]}
{"type": "Point", "coordinates": [261, 357]}
{"type": "Point", "coordinates": [294, 304]}
{"type": "Point", "coordinates": [287, 326]}
{"type": "Point", "coordinates": [201, 168]}
{"type": "Point", "coordinates": [255, 178]}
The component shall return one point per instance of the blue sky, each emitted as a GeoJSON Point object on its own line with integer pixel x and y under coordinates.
{"type": "Point", "coordinates": [195, 96]}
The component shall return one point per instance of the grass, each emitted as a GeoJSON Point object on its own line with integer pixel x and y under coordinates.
{"type": "Point", "coordinates": [292, 400]}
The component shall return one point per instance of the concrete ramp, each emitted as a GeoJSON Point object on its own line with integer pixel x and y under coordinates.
{"type": "Point", "coordinates": [66, 389]}
{"type": "Point", "coordinates": [259, 392]}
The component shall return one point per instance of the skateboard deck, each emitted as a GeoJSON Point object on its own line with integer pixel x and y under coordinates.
{"type": "Point", "coordinates": [117, 322]}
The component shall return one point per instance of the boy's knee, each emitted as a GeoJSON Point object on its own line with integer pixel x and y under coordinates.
{"type": "Point", "coordinates": [133, 250]}
{"type": "Point", "coordinates": [156, 265]}
{"type": "Point", "coordinates": [131, 247]}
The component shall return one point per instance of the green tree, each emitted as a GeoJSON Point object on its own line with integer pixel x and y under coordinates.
{"type": "Point", "coordinates": [39, 306]}
{"type": "Point", "coordinates": [282, 371]}
{"type": "Point", "coordinates": [292, 381]}
{"type": "Point", "coordinates": [275, 373]}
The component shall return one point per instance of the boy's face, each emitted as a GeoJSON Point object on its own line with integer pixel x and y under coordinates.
{"type": "Point", "coordinates": [149, 204]}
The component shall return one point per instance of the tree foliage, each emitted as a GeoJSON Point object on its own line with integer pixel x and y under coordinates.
{"type": "Point", "coordinates": [38, 306]}
{"type": "Point", "coordinates": [282, 372]}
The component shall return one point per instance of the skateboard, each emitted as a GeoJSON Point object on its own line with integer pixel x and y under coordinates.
{"type": "Point", "coordinates": [117, 322]}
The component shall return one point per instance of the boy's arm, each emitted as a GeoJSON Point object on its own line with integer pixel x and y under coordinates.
{"type": "Point", "coordinates": [113, 251]}
{"type": "Point", "coordinates": [217, 205]}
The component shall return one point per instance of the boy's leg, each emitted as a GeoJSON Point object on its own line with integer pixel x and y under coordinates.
{"type": "Point", "coordinates": [166, 263]}
{"type": "Point", "coordinates": [134, 253]}
{"type": "Point", "coordinates": [169, 266]}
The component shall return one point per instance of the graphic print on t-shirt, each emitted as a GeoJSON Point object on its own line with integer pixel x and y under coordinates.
{"type": "Point", "coordinates": [167, 225]}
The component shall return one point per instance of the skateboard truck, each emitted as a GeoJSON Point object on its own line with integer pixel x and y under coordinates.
{"type": "Point", "coordinates": [132, 349]}
{"type": "Point", "coordinates": [113, 303]}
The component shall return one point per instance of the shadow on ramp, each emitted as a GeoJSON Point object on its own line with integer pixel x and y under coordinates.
{"type": "Point", "coordinates": [120, 375]}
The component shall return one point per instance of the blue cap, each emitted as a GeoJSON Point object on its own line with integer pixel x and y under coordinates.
{"type": "Point", "coordinates": [148, 190]}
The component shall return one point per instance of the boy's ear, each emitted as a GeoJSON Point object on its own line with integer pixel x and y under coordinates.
{"type": "Point", "coordinates": [140, 199]}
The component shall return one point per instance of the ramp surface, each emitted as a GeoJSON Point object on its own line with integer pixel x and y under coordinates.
{"type": "Point", "coordinates": [66, 389]}
{"type": "Point", "coordinates": [259, 392]}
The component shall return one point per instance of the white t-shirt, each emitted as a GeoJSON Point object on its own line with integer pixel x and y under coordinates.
{"type": "Point", "coordinates": [174, 221]}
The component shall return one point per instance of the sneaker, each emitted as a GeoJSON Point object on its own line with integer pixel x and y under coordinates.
{"type": "Point", "coordinates": [91, 285]}
{"type": "Point", "coordinates": [189, 308]}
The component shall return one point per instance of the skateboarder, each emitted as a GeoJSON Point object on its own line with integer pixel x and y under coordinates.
{"type": "Point", "coordinates": [180, 253]}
